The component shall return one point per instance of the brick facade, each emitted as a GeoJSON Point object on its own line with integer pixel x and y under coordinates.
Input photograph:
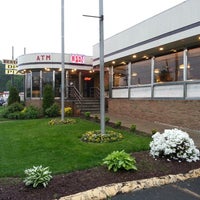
{"type": "Point", "coordinates": [184, 113]}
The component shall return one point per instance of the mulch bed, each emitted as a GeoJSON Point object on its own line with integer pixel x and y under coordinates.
{"type": "Point", "coordinates": [71, 183]}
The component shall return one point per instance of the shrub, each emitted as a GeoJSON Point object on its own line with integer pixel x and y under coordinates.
{"type": "Point", "coordinates": [13, 108]}
{"type": "Point", "coordinates": [87, 114]}
{"type": "Point", "coordinates": [31, 112]}
{"type": "Point", "coordinates": [153, 131]}
{"type": "Point", "coordinates": [133, 128]}
{"type": "Point", "coordinates": [174, 144]}
{"type": "Point", "coordinates": [120, 160]}
{"type": "Point", "coordinates": [118, 124]}
{"type": "Point", "coordinates": [96, 118]}
{"type": "Point", "coordinates": [107, 119]}
{"type": "Point", "coordinates": [37, 175]}
{"type": "Point", "coordinates": [68, 111]}
{"type": "Point", "coordinates": [13, 95]}
{"type": "Point", "coordinates": [97, 137]}
{"type": "Point", "coordinates": [14, 115]}
{"type": "Point", "coordinates": [52, 111]}
{"type": "Point", "coordinates": [48, 97]}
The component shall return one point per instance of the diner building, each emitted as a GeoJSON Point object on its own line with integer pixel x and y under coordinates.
{"type": "Point", "coordinates": [154, 68]}
{"type": "Point", "coordinates": [40, 69]}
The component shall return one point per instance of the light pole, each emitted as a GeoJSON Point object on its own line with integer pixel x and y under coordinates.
{"type": "Point", "coordinates": [62, 60]}
{"type": "Point", "coordinates": [101, 60]}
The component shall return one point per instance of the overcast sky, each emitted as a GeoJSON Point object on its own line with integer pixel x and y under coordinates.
{"type": "Point", "coordinates": [36, 24]}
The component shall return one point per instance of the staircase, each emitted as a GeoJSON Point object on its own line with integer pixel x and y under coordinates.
{"type": "Point", "coordinates": [83, 104]}
{"type": "Point", "coordinates": [88, 105]}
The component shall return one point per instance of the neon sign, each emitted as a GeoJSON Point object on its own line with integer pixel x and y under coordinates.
{"type": "Point", "coordinates": [87, 79]}
{"type": "Point", "coordinates": [75, 58]}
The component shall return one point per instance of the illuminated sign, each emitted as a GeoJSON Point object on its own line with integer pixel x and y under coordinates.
{"type": "Point", "coordinates": [43, 57]}
{"type": "Point", "coordinates": [75, 58]}
{"type": "Point", "coordinates": [10, 61]}
{"type": "Point", "coordinates": [8, 66]}
{"type": "Point", "coordinates": [87, 79]}
{"type": "Point", "coordinates": [10, 69]}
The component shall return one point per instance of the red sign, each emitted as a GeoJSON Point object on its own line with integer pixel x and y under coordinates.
{"type": "Point", "coordinates": [87, 78]}
{"type": "Point", "coordinates": [43, 57]}
{"type": "Point", "coordinates": [75, 58]}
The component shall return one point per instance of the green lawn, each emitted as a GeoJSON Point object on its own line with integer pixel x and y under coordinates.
{"type": "Point", "coordinates": [24, 143]}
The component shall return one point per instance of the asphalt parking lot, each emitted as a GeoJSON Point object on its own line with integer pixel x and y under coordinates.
{"type": "Point", "coordinates": [186, 190]}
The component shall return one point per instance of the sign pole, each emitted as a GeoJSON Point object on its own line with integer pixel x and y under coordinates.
{"type": "Point", "coordinates": [12, 76]}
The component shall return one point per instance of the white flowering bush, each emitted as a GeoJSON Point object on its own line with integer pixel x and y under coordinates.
{"type": "Point", "coordinates": [174, 144]}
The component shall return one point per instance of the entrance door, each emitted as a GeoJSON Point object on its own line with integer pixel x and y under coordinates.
{"type": "Point", "coordinates": [88, 85]}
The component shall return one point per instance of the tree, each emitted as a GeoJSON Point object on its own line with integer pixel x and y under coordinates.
{"type": "Point", "coordinates": [13, 95]}
{"type": "Point", "coordinates": [48, 97]}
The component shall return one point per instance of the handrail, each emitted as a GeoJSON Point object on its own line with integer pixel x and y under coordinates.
{"type": "Point", "coordinates": [74, 93]}
{"type": "Point", "coordinates": [95, 91]}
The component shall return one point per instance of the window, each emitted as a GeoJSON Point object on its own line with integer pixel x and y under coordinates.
{"type": "Point", "coordinates": [35, 84]}
{"type": "Point", "coordinates": [57, 84]}
{"type": "Point", "coordinates": [120, 77]}
{"type": "Point", "coordinates": [193, 68]}
{"type": "Point", "coordinates": [169, 68]}
{"type": "Point", "coordinates": [47, 79]}
{"type": "Point", "coordinates": [28, 85]}
{"type": "Point", "coordinates": [141, 72]}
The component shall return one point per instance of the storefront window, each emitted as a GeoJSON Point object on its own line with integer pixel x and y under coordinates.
{"type": "Point", "coordinates": [47, 79]}
{"type": "Point", "coordinates": [193, 68]}
{"type": "Point", "coordinates": [28, 85]}
{"type": "Point", "coordinates": [120, 77]}
{"type": "Point", "coordinates": [35, 84]}
{"type": "Point", "coordinates": [169, 68]}
{"type": "Point", "coordinates": [57, 84]}
{"type": "Point", "coordinates": [141, 72]}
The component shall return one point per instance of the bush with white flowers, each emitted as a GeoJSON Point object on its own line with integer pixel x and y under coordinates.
{"type": "Point", "coordinates": [174, 144]}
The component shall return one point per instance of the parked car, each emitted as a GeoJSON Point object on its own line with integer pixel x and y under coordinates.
{"type": "Point", "coordinates": [2, 102]}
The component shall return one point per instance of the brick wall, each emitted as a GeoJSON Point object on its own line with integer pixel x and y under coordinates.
{"type": "Point", "coordinates": [185, 113]}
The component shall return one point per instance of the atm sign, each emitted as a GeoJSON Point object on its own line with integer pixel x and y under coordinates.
{"type": "Point", "coordinates": [75, 58]}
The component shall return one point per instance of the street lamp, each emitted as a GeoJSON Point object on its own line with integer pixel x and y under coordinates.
{"type": "Point", "coordinates": [101, 59]}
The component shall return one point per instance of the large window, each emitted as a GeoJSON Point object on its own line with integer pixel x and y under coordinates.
{"type": "Point", "coordinates": [193, 68]}
{"type": "Point", "coordinates": [47, 79]}
{"type": "Point", "coordinates": [28, 85]}
{"type": "Point", "coordinates": [120, 77]}
{"type": "Point", "coordinates": [35, 84]}
{"type": "Point", "coordinates": [57, 84]}
{"type": "Point", "coordinates": [169, 68]}
{"type": "Point", "coordinates": [141, 72]}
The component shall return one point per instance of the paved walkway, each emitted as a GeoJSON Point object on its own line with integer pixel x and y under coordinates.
{"type": "Point", "coordinates": [187, 190]}
{"type": "Point", "coordinates": [147, 127]}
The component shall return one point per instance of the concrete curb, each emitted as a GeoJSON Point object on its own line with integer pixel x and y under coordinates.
{"type": "Point", "coordinates": [104, 192]}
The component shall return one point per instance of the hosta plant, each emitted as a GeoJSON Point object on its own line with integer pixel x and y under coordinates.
{"type": "Point", "coordinates": [120, 160]}
{"type": "Point", "coordinates": [174, 144]}
{"type": "Point", "coordinates": [37, 175]}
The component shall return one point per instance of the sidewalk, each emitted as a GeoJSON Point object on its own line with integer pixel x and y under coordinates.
{"type": "Point", "coordinates": [147, 126]}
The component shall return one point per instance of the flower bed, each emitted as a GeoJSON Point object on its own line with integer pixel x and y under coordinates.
{"type": "Point", "coordinates": [97, 137]}
{"type": "Point", "coordinates": [65, 121]}
{"type": "Point", "coordinates": [174, 144]}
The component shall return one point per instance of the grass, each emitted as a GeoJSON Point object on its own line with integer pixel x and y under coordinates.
{"type": "Point", "coordinates": [24, 143]}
